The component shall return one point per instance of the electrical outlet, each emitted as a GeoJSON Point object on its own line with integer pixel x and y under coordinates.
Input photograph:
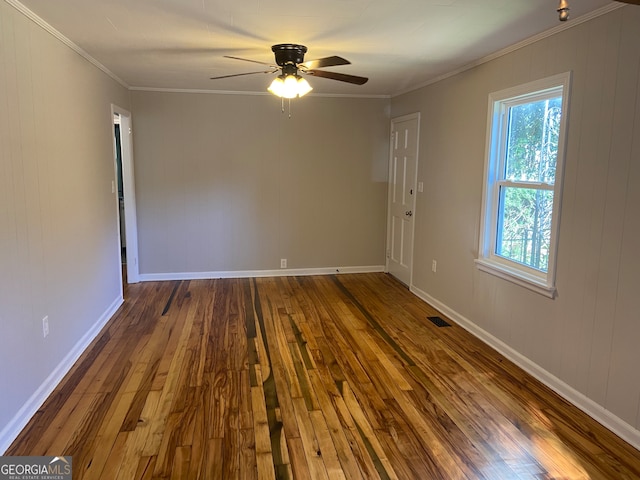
{"type": "Point", "coordinates": [434, 266]}
{"type": "Point", "coordinates": [283, 263]}
{"type": "Point", "coordinates": [45, 326]}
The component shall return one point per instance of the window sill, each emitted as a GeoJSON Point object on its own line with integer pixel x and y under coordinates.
{"type": "Point", "coordinates": [516, 276]}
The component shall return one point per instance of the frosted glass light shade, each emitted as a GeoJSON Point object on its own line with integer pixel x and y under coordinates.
{"type": "Point", "coordinates": [290, 86]}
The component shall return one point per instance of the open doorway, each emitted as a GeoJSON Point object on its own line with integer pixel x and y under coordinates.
{"type": "Point", "coordinates": [124, 186]}
{"type": "Point", "coordinates": [120, 191]}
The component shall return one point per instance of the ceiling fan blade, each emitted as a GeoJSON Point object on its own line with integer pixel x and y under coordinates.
{"type": "Point", "coordinates": [247, 60]}
{"type": "Point", "coordinates": [325, 62]}
{"type": "Point", "coordinates": [342, 77]}
{"type": "Point", "coordinates": [241, 74]}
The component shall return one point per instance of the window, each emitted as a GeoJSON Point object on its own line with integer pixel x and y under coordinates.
{"type": "Point", "coordinates": [523, 181]}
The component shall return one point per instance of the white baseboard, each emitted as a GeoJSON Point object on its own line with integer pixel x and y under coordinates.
{"type": "Point", "coordinates": [284, 272]}
{"type": "Point", "coordinates": [10, 432]}
{"type": "Point", "coordinates": [584, 403]}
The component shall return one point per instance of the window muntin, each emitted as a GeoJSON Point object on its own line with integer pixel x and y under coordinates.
{"type": "Point", "coordinates": [525, 151]}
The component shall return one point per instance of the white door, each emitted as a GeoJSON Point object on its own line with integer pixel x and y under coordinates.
{"type": "Point", "coordinates": [403, 165]}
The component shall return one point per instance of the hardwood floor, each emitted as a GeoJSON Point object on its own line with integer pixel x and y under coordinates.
{"type": "Point", "coordinates": [307, 378]}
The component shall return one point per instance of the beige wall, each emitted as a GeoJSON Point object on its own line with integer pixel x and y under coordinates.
{"type": "Point", "coordinates": [228, 183]}
{"type": "Point", "coordinates": [586, 341]}
{"type": "Point", "coordinates": [58, 218]}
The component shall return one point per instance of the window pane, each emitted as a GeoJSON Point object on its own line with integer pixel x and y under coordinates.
{"type": "Point", "coordinates": [532, 141]}
{"type": "Point", "coordinates": [524, 226]}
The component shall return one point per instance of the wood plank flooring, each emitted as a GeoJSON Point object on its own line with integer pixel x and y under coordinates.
{"type": "Point", "coordinates": [323, 377]}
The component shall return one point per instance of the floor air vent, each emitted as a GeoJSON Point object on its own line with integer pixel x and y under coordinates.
{"type": "Point", "coordinates": [438, 322]}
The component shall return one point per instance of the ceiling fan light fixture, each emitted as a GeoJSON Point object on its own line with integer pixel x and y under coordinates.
{"type": "Point", "coordinates": [277, 86]}
{"type": "Point", "coordinates": [289, 86]}
{"type": "Point", "coordinates": [303, 87]}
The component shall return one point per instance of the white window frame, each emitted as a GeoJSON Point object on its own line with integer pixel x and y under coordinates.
{"type": "Point", "coordinates": [497, 129]}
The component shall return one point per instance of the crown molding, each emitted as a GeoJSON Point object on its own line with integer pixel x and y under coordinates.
{"type": "Point", "coordinates": [55, 33]}
{"type": "Point", "coordinates": [235, 92]}
{"type": "Point", "coordinates": [516, 46]}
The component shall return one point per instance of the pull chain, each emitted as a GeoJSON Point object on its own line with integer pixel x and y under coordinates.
{"type": "Point", "coordinates": [282, 104]}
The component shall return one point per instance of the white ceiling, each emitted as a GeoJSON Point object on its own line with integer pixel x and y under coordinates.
{"type": "Point", "coordinates": [399, 44]}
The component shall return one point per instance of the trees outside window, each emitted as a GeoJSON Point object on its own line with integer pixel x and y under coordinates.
{"type": "Point", "coordinates": [523, 170]}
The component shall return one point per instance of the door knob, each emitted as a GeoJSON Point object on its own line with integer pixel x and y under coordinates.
{"type": "Point", "coordinates": [408, 213]}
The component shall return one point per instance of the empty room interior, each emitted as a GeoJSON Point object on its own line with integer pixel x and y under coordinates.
{"type": "Point", "coordinates": [424, 267]}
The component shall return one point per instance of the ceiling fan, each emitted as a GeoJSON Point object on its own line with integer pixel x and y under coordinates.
{"type": "Point", "coordinates": [290, 62]}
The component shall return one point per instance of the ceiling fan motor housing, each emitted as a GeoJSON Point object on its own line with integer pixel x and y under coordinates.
{"type": "Point", "coordinates": [289, 53]}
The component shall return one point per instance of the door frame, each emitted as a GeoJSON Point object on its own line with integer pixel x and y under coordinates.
{"type": "Point", "coordinates": [394, 121]}
{"type": "Point", "coordinates": [128, 185]}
